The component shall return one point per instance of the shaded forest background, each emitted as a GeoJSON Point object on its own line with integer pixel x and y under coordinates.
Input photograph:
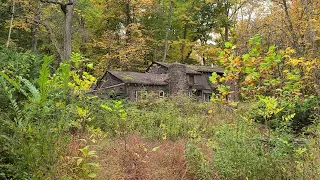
{"type": "Point", "coordinates": [128, 34]}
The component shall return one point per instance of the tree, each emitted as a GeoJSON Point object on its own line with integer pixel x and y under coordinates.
{"type": "Point", "coordinates": [11, 21]}
{"type": "Point", "coordinates": [67, 9]}
{"type": "Point", "coordinates": [167, 32]}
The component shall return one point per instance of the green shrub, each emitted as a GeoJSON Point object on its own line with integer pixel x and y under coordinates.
{"type": "Point", "coordinates": [165, 118]}
{"type": "Point", "coordinates": [197, 163]}
{"type": "Point", "coordinates": [244, 149]}
{"type": "Point", "coordinates": [40, 113]}
{"type": "Point", "coordinates": [24, 64]}
{"type": "Point", "coordinates": [278, 112]}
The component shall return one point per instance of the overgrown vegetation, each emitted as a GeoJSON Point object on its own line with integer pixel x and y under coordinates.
{"type": "Point", "coordinates": [52, 128]}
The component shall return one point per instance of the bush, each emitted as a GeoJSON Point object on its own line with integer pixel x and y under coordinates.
{"type": "Point", "coordinates": [278, 112]}
{"type": "Point", "coordinates": [244, 149]}
{"type": "Point", "coordinates": [38, 117]}
{"type": "Point", "coordinates": [152, 118]}
{"type": "Point", "coordinates": [198, 165]}
{"type": "Point", "coordinates": [24, 64]}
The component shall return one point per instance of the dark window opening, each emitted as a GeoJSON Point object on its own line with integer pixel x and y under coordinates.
{"type": "Point", "coordinates": [198, 93]}
{"type": "Point", "coordinates": [191, 79]}
{"type": "Point", "coordinates": [161, 94]}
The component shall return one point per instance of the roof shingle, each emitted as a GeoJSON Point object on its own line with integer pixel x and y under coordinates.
{"type": "Point", "coordinates": [194, 69]}
{"type": "Point", "coordinates": [140, 78]}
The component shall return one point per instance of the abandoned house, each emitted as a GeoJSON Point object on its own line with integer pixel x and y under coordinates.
{"type": "Point", "coordinates": [160, 78]}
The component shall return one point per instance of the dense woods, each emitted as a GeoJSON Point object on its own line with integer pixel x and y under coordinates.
{"type": "Point", "coordinates": [53, 51]}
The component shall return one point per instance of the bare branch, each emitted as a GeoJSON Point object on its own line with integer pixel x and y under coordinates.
{"type": "Point", "coordinates": [51, 35]}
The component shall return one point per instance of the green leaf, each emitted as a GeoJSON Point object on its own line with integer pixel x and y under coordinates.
{"type": "Point", "coordinates": [106, 107]}
{"type": "Point", "coordinates": [85, 150]}
{"type": "Point", "coordinates": [245, 57]}
{"type": "Point", "coordinates": [90, 65]}
{"type": "Point", "coordinates": [213, 78]}
{"type": "Point", "coordinates": [249, 70]}
{"type": "Point", "coordinates": [43, 79]}
{"type": "Point", "coordinates": [92, 175]}
{"type": "Point", "coordinates": [90, 153]}
{"type": "Point", "coordinates": [79, 161]}
{"type": "Point", "coordinates": [228, 44]}
{"type": "Point", "coordinates": [93, 164]}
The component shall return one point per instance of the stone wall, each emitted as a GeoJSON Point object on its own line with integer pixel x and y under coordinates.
{"type": "Point", "coordinates": [177, 80]}
{"type": "Point", "coordinates": [157, 69]}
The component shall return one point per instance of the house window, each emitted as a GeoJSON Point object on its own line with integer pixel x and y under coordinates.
{"type": "Point", "coordinates": [161, 94]}
{"type": "Point", "coordinates": [207, 97]}
{"type": "Point", "coordinates": [136, 95]}
{"type": "Point", "coordinates": [198, 93]}
{"type": "Point", "coordinates": [145, 94]}
{"type": "Point", "coordinates": [191, 79]}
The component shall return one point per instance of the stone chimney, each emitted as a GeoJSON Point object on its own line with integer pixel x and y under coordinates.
{"type": "Point", "coordinates": [178, 83]}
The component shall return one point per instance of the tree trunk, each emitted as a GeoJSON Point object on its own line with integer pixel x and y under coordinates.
{"type": "Point", "coordinates": [226, 27]}
{"type": "Point", "coordinates": [67, 35]}
{"type": "Point", "coordinates": [34, 28]}
{"type": "Point", "coordinates": [67, 9]}
{"type": "Point", "coordinates": [83, 35]}
{"type": "Point", "coordinates": [183, 43]}
{"type": "Point", "coordinates": [127, 12]}
{"type": "Point", "coordinates": [311, 27]}
{"type": "Point", "coordinates": [11, 22]}
{"type": "Point", "coordinates": [167, 32]}
{"type": "Point", "coordinates": [291, 29]}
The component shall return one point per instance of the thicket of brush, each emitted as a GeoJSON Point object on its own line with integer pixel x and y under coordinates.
{"type": "Point", "coordinates": [49, 128]}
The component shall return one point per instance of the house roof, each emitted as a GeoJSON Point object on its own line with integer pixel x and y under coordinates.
{"type": "Point", "coordinates": [194, 69]}
{"type": "Point", "coordinates": [140, 78]}
{"type": "Point", "coordinates": [210, 69]}
{"type": "Point", "coordinates": [189, 70]}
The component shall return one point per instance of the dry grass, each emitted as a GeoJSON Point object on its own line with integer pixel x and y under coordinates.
{"type": "Point", "coordinates": [131, 158]}
{"type": "Point", "coordinates": [138, 158]}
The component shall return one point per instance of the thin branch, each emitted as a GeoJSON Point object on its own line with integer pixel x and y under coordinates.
{"type": "Point", "coordinates": [51, 35]}
{"type": "Point", "coordinates": [237, 9]}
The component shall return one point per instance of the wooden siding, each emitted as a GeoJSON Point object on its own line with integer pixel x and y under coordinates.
{"type": "Point", "coordinates": [132, 88]}
{"type": "Point", "coordinates": [110, 85]}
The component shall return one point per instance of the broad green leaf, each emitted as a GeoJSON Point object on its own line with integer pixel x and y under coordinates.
{"type": "Point", "coordinates": [90, 65]}
{"type": "Point", "coordinates": [79, 161]}
{"type": "Point", "coordinates": [228, 44]}
{"type": "Point", "coordinates": [92, 175]}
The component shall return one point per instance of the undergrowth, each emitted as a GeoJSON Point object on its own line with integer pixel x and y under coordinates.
{"type": "Point", "coordinates": [51, 129]}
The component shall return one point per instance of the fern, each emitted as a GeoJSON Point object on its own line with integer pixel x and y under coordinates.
{"type": "Point", "coordinates": [18, 114]}
{"type": "Point", "coordinates": [35, 95]}
{"type": "Point", "coordinates": [13, 83]}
